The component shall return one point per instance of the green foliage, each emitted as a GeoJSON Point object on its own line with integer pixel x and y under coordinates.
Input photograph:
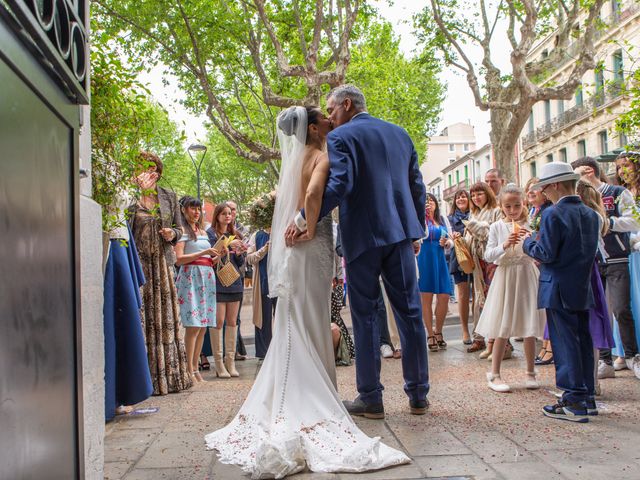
{"type": "Point", "coordinates": [229, 43]}
{"type": "Point", "coordinates": [399, 90]}
{"type": "Point", "coordinates": [226, 176]}
{"type": "Point", "coordinates": [123, 122]}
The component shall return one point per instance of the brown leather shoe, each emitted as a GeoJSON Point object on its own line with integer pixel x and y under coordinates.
{"type": "Point", "coordinates": [397, 353]}
{"type": "Point", "coordinates": [476, 346]}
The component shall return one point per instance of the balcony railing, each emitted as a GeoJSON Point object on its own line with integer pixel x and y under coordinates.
{"type": "Point", "coordinates": [594, 103]}
{"type": "Point", "coordinates": [450, 192]}
{"type": "Point", "coordinates": [611, 21]}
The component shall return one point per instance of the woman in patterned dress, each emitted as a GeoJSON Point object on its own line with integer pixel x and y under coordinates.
{"type": "Point", "coordinates": [156, 226]}
{"type": "Point", "coordinates": [196, 282]}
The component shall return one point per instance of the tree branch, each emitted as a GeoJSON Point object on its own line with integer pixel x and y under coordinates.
{"type": "Point", "coordinates": [285, 69]}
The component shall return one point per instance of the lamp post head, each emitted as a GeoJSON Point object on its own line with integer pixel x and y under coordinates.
{"type": "Point", "coordinates": [196, 147]}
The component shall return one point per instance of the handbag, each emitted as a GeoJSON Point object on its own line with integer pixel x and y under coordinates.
{"type": "Point", "coordinates": [463, 255]}
{"type": "Point", "coordinates": [227, 273]}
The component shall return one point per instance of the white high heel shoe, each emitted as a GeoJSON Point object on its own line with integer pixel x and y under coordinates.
{"type": "Point", "coordinates": [497, 387]}
{"type": "Point", "coordinates": [531, 383]}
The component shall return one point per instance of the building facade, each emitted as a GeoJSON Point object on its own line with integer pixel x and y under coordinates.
{"type": "Point", "coordinates": [454, 142]}
{"type": "Point", "coordinates": [564, 130]}
{"type": "Point", "coordinates": [465, 171]}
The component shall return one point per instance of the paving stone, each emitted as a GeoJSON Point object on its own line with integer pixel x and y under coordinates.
{"type": "Point", "coordinates": [456, 466]}
{"type": "Point", "coordinates": [494, 447]}
{"type": "Point", "coordinates": [128, 445]}
{"type": "Point", "coordinates": [376, 428]}
{"type": "Point", "coordinates": [421, 440]}
{"type": "Point", "coordinates": [529, 470]}
{"type": "Point", "coordinates": [409, 471]}
{"type": "Point", "coordinates": [169, 474]}
{"type": "Point", "coordinates": [314, 476]}
{"type": "Point", "coordinates": [221, 471]}
{"type": "Point", "coordinates": [468, 433]}
{"type": "Point", "coordinates": [591, 463]}
{"type": "Point", "coordinates": [176, 450]}
{"type": "Point", "coordinates": [116, 470]}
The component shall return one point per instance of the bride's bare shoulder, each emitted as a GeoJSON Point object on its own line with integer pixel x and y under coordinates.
{"type": "Point", "coordinates": [317, 157]}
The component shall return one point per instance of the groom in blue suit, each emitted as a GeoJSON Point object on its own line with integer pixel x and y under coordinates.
{"type": "Point", "coordinates": [375, 179]}
{"type": "Point", "coordinates": [566, 249]}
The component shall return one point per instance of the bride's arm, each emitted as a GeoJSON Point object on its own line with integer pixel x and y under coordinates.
{"type": "Point", "coordinates": [315, 190]}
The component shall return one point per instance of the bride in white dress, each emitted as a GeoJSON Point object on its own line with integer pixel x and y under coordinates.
{"type": "Point", "coordinates": [293, 418]}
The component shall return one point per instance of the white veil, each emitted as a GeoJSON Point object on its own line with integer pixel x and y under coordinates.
{"type": "Point", "coordinates": [292, 135]}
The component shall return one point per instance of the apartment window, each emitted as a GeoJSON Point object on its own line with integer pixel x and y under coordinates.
{"type": "Point", "coordinates": [547, 111]}
{"type": "Point", "coordinates": [563, 155]}
{"type": "Point", "coordinates": [450, 183]}
{"type": "Point", "coordinates": [466, 172]}
{"type": "Point", "coordinates": [532, 169]}
{"type": "Point", "coordinates": [622, 140]}
{"type": "Point", "coordinates": [615, 9]}
{"type": "Point", "coordinates": [457, 177]}
{"type": "Point", "coordinates": [604, 141]}
{"type": "Point", "coordinates": [465, 147]}
{"type": "Point", "coordinates": [452, 147]}
{"type": "Point", "coordinates": [579, 99]}
{"type": "Point", "coordinates": [618, 71]}
{"type": "Point", "coordinates": [582, 148]}
{"type": "Point", "coordinates": [549, 157]}
{"type": "Point", "coordinates": [560, 107]}
{"type": "Point", "coordinates": [531, 125]}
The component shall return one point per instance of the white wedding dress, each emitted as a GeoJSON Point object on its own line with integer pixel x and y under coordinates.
{"type": "Point", "coordinates": [293, 418]}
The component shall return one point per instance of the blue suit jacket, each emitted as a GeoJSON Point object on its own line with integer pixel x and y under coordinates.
{"type": "Point", "coordinates": [375, 178]}
{"type": "Point", "coordinates": [566, 248]}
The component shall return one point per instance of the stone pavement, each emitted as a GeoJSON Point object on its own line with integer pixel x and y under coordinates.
{"type": "Point", "coordinates": [469, 432]}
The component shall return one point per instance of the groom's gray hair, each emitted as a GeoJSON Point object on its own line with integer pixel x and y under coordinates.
{"type": "Point", "coordinates": [349, 91]}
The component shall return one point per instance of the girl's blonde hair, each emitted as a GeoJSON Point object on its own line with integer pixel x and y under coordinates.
{"type": "Point", "coordinates": [513, 189]}
{"type": "Point", "coordinates": [593, 199]}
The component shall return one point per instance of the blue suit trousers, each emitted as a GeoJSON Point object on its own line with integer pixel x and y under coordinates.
{"type": "Point", "coordinates": [572, 353]}
{"type": "Point", "coordinates": [396, 264]}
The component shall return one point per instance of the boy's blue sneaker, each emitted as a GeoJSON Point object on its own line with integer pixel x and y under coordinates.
{"type": "Point", "coordinates": [592, 407]}
{"type": "Point", "coordinates": [566, 411]}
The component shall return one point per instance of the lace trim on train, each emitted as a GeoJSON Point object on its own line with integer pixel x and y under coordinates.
{"type": "Point", "coordinates": [282, 452]}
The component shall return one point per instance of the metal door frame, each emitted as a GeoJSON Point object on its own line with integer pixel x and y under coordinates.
{"type": "Point", "coordinates": [34, 76]}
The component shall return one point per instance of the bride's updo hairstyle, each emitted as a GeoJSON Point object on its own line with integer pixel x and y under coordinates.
{"type": "Point", "coordinates": [288, 120]}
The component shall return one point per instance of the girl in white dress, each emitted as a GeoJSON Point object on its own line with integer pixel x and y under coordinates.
{"type": "Point", "coordinates": [511, 308]}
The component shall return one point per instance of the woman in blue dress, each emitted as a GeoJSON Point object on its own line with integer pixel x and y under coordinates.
{"type": "Point", "coordinates": [433, 273]}
{"type": "Point", "coordinates": [196, 282]}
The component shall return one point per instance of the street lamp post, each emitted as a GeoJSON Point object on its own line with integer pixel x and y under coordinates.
{"type": "Point", "coordinates": [196, 148]}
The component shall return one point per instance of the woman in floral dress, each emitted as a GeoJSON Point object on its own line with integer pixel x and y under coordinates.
{"type": "Point", "coordinates": [196, 282]}
{"type": "Point", "coordinates": [156, 226]}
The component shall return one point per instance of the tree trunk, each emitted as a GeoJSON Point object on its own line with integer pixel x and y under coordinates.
{"type": "Point", "coordinates": [503, 143]}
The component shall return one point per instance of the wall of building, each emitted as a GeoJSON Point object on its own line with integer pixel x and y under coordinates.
{"type": "Point", "coordinates": [453, 142]}
{"type": "Point", "coordinates": [563, 130]}
{"type": "Point", "coordinates": [91, 277]}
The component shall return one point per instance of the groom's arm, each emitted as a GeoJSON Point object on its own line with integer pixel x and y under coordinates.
{"type": "Point", "coordinates": [340, 180]}
{"type": "Point", "coordinates": [418, 190]}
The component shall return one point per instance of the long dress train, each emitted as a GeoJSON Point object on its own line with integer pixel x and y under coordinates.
{"type": "Point", "coordinates": [293, 417]}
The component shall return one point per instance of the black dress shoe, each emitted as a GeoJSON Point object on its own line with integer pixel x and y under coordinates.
{"type": "Point", "coordinates": [361, 409]}
{"type": "Point", "coordinates": [418, 407]}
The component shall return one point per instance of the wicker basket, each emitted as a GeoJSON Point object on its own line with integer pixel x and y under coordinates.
{"type": "Point", "coordinates": [227, 273]}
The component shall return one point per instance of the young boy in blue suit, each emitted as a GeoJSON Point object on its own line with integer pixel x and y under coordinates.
{"type": "Point", "coordinates": [566, 247]}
